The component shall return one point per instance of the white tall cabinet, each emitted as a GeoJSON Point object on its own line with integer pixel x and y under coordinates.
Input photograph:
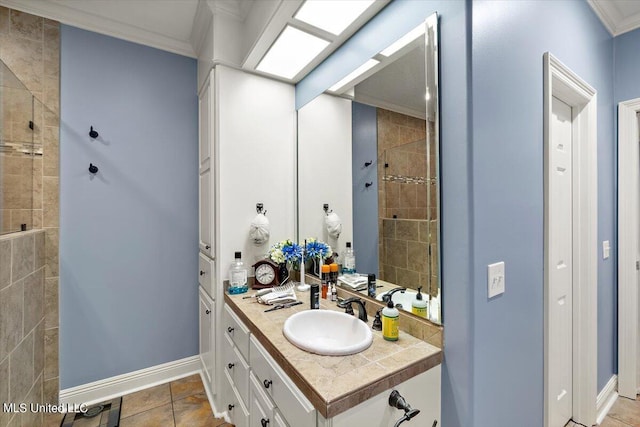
{"type": "Point", "coordinates": [247, 156]}
{"type": "Point", "coordinates": [206, 258]}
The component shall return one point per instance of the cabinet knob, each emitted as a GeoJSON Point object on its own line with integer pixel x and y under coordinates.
{"type": "Point", "coordinates": [230, 407]}
{"type": "Point", "coordinates": [229, 329]}
{"type": "Point", "coordinates": [267, 383]}
{"type": "Point", "coordinates": [202, 273]}
{"type": "Point", "coordinates": [264, 422]}
{"type": "Point", "coordinates": [207, 311]}
{"type": "Point", "coordinates": [207, 247]}
{"type": "Point", "coordinates": [231, 365]}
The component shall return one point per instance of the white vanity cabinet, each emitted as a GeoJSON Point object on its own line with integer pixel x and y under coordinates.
{"type": "Point", "coordinates": [206, 168]}
{"type": "Point", "coordinates": [207, 339]}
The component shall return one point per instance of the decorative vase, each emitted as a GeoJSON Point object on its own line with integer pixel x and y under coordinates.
{"type": "Point", "coordinates": [283, 273]}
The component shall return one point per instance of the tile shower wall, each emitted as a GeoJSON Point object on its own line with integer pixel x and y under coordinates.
{"type": "Point", "coordinates": [22, 324]}
{"type": "Point", "coordinates": [30, 46]}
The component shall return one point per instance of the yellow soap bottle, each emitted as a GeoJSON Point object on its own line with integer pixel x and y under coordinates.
{"type": "Point", "coordinates": [390, 317]}
{"type": "Point", "coordinates": [419, 305]}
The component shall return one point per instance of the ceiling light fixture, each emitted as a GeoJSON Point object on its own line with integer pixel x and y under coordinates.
{"type": "Point", "coordinates": [354, 74]}
{"type": "Point", "coordinates": [332, 16]}
{"type": "Point", "coordinates": [291, 52]}
{"type": "Point", "coordinates": [404, 40]}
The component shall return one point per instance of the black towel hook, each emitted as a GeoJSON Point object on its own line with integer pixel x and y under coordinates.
{"type": "Point", "coordinates": [93, 168]}
{"type": "Point", "coordinates": [93, 134]}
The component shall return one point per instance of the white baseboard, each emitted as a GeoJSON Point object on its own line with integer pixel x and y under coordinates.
{"type": "Point", "coordinates": [606, 398]}
{"type": "Point", "coordinates": [109, 388]}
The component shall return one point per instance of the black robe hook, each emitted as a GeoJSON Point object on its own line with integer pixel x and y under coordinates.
{"type": "Point", "coordinates": [93, 134]}
{"type": "Point", "coordinates": [93, 168]}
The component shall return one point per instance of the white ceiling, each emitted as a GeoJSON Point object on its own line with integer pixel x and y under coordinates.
{"type": "Point", "coordinates": [619, 16]}
{"type": "Point", "coordinates": [169, 24]}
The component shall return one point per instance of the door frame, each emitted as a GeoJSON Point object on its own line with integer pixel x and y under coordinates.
{"type": "Point", "coordinates": [628, 246]}
{"type": "Point", "coordinates": [562, 83]}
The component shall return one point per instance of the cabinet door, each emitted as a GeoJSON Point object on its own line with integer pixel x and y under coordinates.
{"type": "Point", "coordinates": [207, 341]}
{"type": "Point", "coordinates": [207, 168]}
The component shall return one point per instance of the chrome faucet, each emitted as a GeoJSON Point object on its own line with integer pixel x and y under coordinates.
{"type": "Point", "coordinates": [362, 311]}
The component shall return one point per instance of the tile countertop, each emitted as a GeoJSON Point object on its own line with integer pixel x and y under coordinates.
{"type": "Point", "coordinates": [334, 384]}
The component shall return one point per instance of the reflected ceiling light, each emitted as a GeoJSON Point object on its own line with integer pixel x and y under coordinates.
{"type": "Point", "coordinates": [354, 74]}
{"type": "Point", "coordinates": [291, 52]}
{"type": "Point", "coordinates": [332, 16]}
{"type": "Point", "coordinates": [404, 40]}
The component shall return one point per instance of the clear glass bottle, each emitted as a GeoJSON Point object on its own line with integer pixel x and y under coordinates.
{"type": "Point", "coordinates": [349, 261]}
{"type": "Point", "coordinates": [237, 276]}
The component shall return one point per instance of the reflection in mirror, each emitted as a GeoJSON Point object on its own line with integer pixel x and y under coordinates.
{"type": "Point", "coordinates": [369, 148]}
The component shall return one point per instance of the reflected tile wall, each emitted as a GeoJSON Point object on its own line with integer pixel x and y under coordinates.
{"type": "Point", "coordinates": [22, 323]}
{"type": "Point", "coordinates": [30, 46]}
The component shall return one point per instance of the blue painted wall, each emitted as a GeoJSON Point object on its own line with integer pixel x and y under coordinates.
{"type": "Point", "coordinates": [387, 26]}
{"type": "Point", "coordinates": [627, 64]}
{"type": "Point", "coordinates": [509, 40]}
{"type": "Point", "coordinates": [365, 200]}
{"type": "Point", "coordinates": [129, 235]}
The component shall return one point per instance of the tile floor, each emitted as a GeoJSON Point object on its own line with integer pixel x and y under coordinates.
{"type": "Point", "coordinates": [624, 413]}
{"type": "Point", "coordinates": [180, 403]}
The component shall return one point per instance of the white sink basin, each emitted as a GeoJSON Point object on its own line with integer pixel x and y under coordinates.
{"type": "Point", "coordinates": [327, 332]}
{"type": "Point", "coordinates": [402, 298]}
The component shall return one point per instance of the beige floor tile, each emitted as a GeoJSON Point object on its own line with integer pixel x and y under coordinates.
{"type": "Point", "coordinates": [612, 422]}
{"type": "Point", "coordinates": [195, 411]}
{"type": "Point", "coordinates": [144, 400]}
{"type": "Point", "coordinates": [185, 387]}
{"type": "Point", "coordinates": [627, 411]}
{"type": "Point", "coordinates": [52, 420]}
{"type": "Point", "coordinates": [156, 417]}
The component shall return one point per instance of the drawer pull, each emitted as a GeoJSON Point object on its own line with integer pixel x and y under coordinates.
{"type": "Point", "coordinates": [207, 311]}
{"type": "Point", "coordinates": [231, 365]}
{"type": "Point", "coordinates": [264, 422]}
{"type": "Point", "coordinates": [201, 273]}
{"type": "Point", "coordinates": [230, 329]}
{"type": "Point", "coordinates": [267, 383]}
{"type": "Point", "coordinates": [230, 407]}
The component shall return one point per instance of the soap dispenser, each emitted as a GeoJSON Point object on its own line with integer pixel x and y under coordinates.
{"type": "Point", "coordinates": [419, 307]}
{"type": "Point", "coordinates": [390, 317]}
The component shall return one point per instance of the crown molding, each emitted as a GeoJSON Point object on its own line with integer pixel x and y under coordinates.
{"type": "Point", "coordinates": [611, 18]}
{"type": "Point", "coordinates": [91, 22]}
{"type": "Point", "coordinates": [237, 9]}
{"type": "Point", "coordinates": [200, 28]}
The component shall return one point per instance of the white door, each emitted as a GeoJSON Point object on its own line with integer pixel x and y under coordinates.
{"type": "Point", "coordinates": [561, 266]}
{"type": "Point", "coordinates": [207, 343]}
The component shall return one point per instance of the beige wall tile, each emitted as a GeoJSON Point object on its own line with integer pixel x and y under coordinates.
{"type": "Point", "coordinates": [50, 353]}
{"type": "Point", "coordinates": [5, 263]}
{"type": "Point", "coordinates": [39, 250]}
{"type": "Point", "coordinates": [22, 256]}
{"type": "Point", "coordinates": [418, 256]}
{"type": "Point", "coordinates": [38, 350]}
{"type": "Point", "coordinates": [51, 159]}
{"type": "Point", "coordinates": [24, 58]}
{"type": "Point", "coordinates": [4, 382]}
{"type": "Point", "coordinates": [407, 230]}
{"type": "Point", "coordinates": [34, 396]}
{"type": "Point", "coordinates": [396, 252]}
{"type": "Point", "coordinates": [50, 392]}
{"type": "Point", "coordinates": [26, 25]}
{"type": "Point", "coordinates": [33, 300]}
{"type": "Point", "coordinates": [51, 251]}
{"type": "Point", "coordinates": [4, 25]}
{"type": "Point", "coordinates": [51, 303]}
{"type": "Point", "coordinates": [21, 372]}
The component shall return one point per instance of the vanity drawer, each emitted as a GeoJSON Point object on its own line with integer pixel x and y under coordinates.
{"type": "Point", "coordinates": [232, 403]}
{"type": "Point", "coordinates": [260, 406]}
{"type": "Point", "coordinates": [206, 272]}
{"type": "Point", "coordinates": [278, 420]}
{"type": "Point", "coordinates": [237, 331]}
{"type": "Point", "coordinates": [237, 368]}
{"type": "Point", "coordinates": [287, 397]}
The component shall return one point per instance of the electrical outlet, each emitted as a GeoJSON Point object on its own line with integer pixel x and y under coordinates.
{"type": "Point", "coordinates": [495, 279]}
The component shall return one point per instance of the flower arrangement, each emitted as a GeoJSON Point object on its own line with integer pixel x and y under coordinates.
{"type": "Point", "coordinates": [316, 249]}
{"type": "Point", "coordinates": [285, 251]}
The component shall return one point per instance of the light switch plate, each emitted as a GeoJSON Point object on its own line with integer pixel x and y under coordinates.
{"type": "Point", "coordinates": [606, 249]}
{"type": "Point", "coordinates": [495, 279]}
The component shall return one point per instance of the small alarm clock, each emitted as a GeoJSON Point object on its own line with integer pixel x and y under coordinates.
{"type": "Point", "coordinates": [266, 274]}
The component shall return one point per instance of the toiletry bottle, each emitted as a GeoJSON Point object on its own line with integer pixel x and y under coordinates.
{"type": "Point", "coordinates": [238, 276]}
{"type": "Point", "coordinates": [326, 281]}
{"type": "Point", "coordinates": [349, 261]}
{"type": "Point", "coordinates": [314, 298]}
{"type": "Point", "coordinates": [390, 317]}
{"type": "Point", "coordinates": [334, 293]}
{"type": "Point", "coordinates": [419, 307]}
{"type": "Point", "coordinates": [333, 275]}
{"type": "Point", "coordinates": [371, 285]}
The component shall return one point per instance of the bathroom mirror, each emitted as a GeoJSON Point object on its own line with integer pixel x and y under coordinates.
{"type": "Point", "coordinates": [20, 154]}
{"type": "Point", "coordinates": [368, 147]}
